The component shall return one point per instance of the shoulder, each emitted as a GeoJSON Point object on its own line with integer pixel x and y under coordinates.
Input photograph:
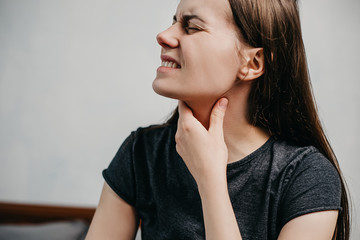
{"type": "Point", "coordinates": [293, 159]}
{"type": "Point", "coordinates": [144, 138]}
{"type": "Point", "coordinates": [305, 170]}
{"type": "Point", "coordinates": [147, 139]}
{"type": "Point", "coordinates": [154, 133]}
{"type": "Point", "coordinates": [309, 181]}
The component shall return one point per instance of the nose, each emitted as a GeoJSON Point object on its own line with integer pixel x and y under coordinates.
{"type": "Point", "coordinates": [168, 38]}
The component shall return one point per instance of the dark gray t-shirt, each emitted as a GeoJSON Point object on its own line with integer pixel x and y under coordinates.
{"type": "Point", "coordinates": [267, 188]}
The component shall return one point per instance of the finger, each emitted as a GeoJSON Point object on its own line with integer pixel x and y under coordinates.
{"type": "Point", "coordinates": [187, 121]}
{"type": "Point", "coordinates": [217, 115]}
{"type": "Point", "coordinates": [184, 110]}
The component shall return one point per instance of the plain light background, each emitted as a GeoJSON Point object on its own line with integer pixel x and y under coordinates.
{"type": "Point", "coordinates": [75, 80]}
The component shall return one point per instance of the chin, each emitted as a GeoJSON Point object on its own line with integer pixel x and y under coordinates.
{"type": "Point", "coordinates": [163, 91]}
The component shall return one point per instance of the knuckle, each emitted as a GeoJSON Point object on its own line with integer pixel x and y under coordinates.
{"type": "Point", "coordinates": [178, 149]}
{"type": "Point", "coordinates": [177, 137]}
{"type": "Point", "coordinates": [186, 126]}
{"type": "Point", "coordinates": [218, 114]}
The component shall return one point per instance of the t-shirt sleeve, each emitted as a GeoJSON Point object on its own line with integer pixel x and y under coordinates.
{"type": "Point", "coordinates": [313, 185]}
{"type": "Point", "coordinates": [120, 174]}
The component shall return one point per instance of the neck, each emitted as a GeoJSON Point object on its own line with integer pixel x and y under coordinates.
{"type": "Point", "coordinates": [240, 136]}
{"type": "Point", "coordinates": [202, 111]}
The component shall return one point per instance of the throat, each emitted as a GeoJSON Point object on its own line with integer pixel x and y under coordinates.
{"type": "Point", "coordinates": [202, 112]}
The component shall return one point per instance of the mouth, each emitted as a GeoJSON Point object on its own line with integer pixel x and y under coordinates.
{"type": "Point", "coordinates": [169, 62]}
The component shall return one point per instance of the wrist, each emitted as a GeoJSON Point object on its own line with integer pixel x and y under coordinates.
{"type": "Point", "coordinates": [214, 185]}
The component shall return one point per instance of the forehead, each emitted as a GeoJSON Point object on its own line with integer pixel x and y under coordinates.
{"type": "Point", "coordinates": [209, 10]}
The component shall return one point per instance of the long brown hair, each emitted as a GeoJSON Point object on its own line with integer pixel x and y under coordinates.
{"type": "Point", "coordinates": [281, 101]}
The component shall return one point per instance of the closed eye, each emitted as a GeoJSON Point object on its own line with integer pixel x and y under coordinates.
{"type": "Point", "coordinates": [190, 28]}
{"type": "Point", "coordinates": [188, 25]}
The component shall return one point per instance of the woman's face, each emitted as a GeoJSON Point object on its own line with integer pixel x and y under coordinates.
{"type": "Point", "coordinates": [200, 52]}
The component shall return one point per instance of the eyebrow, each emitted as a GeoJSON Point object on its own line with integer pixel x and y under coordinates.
{"type": "Point", "coordinates": [187, 18]}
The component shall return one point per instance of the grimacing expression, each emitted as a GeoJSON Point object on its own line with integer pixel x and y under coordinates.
{"type": "Point", "coordinates": [200, 52]}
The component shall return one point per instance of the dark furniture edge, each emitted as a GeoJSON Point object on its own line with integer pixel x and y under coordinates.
{"type": "Point", "coordinates": [37, 213]}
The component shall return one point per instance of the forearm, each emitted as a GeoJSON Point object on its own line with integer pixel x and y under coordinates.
{"type": "Point", "coordinates": [219, 217]}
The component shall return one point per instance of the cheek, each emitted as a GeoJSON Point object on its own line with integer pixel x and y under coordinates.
{"type": "Point", "coordinates": [214, 67]}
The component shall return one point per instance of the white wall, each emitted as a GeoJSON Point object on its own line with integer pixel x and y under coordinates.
{"type": "Point", "coordinates": [332, 35]}
{"type": "Point", "coordinates": [75, 79]}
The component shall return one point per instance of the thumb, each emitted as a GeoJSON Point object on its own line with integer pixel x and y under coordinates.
{"type": "Point", "coordinates": [217, 115]}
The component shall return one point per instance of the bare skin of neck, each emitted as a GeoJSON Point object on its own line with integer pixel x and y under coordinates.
{"type": "Point", "coordinates": [240, 136]}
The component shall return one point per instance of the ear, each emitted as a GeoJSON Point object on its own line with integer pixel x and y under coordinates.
{"type": "Point", "coordinates": [253, 65]}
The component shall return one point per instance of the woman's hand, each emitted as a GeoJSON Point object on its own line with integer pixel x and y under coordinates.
{"type": "Point", "coordinates": [205, 154]}
{"type": "Point", "coordinates": [203, 151]}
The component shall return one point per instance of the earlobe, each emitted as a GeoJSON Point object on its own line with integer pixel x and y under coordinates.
{"type": "Point", "coordinates": [254, 65]}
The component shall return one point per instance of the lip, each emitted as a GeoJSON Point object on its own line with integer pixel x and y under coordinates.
{"type": "Point", "coordinates": [169, 59]}
{"type": "Point", "coordinates": [163, 69]}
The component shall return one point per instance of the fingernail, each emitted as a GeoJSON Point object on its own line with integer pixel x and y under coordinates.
{"type": "Point", "coordinates": [223, 103]}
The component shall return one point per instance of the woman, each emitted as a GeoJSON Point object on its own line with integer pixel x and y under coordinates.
{"type": "Point", "coordinates": [245, 156]}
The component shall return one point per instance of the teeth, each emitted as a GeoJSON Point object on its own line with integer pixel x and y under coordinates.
{"type": "Point", "coordinates": [169, 64]}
